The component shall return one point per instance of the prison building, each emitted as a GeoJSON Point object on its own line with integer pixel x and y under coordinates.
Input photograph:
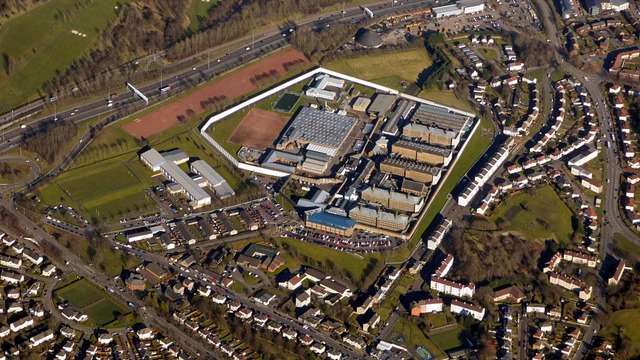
{"type": "Point", "coordinates": [332, 223]}
{"type": "Point", "coordinates": [416, 188]}
{"type": "Point", "coordinates": [281, 160]}
{"type": "Point", "coordinates": [380, 105]}
{"type": "Point", "coordinates": [214, 180]}
{"type": "Point", "coordinates": [321, 131]}
{"type": "Point", "coordinates": [411, 169]}
{"type": "Point", "coordinates": [400, 113]}
{"type": "Point", "coordinates": [431, 134]}
{"type": "Point", "coordinates": [380, 219]}
{"type": "Point", "coordinates": [315, 162]}
{"type": "Point", "coordinates": [441, 117]}
{"type": "Point", "coordinates": [422, 152]}
{"type": "Point", "coordinates": [393, 200]}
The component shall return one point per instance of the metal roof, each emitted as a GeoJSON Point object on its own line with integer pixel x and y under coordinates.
{"type": "Point", "coordinates": [330, 220]}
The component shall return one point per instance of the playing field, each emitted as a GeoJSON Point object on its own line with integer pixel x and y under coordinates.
{"type": "Point", "coordinates": [448, 339]}
{"type": "Point", "coordinates": [259, 129]}
{"type": "Point", "coordinates": [102, 190]}
{"type": "Point", "coordinates": [40, 42]}
{"type": "Point", "coordinates": [80, 293]}
{"type": "Point", "coordinates": [537, 214]}
{"type": "Point", "coordinates": [92, 301]}
{"type": "Point", "coordinates": [404, 65]}
{"type": "Point", "coordinates": [286, 102]}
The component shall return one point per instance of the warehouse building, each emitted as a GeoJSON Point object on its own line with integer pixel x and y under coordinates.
{"type": "Point", "coordinates": [319, 130]}
{"type": "Point", "coordinates": [471, 6]}
{"type": "Point", "coordinates": [157, 162]}
{"type": "Point", "coordinates": [411, 169]}
{"type": "Point", "coordinates": [380, 219]}
{"type": "Point", "coordinates": [447, 11]}
{"type": "Point", "coordinates": [332, 223]}
{"type": "Point", "coordinates": [215, 182]}
{"type": "Point", "coordinates": [315, 162]}
{"type": "Point", "coordinates": [422, 152]}
{"type": "Point", "coordinates": [393, 200]}
{"type": "Point", "coordinates": [380, 105]}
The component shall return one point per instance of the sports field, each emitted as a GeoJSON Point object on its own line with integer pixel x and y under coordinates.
{"type": "Point", "coordinates": [537, 214]}
{"type": "Point", "coordinates": [259, 129]}
{"type": "Point", "coordinates": [286, 102]}
{"type": "Point", "coordinates": [102, 190]}
{"type": "Point", "coordinates": [40, 42]}
{"type": "Point", "coordinates": [98, 306]}
{"type": "Point", "coordinates": [448, 339]}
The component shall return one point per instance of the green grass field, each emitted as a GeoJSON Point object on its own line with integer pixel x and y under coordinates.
{"type": "Point", "coordinates": [478, 144]}
{"type": "Point", "coordinates": [445, 97]}
{"type": "Point", "coordinates": [101, 190]}
{"type": "Point", "coordinates": [197, 9]}
{"type": "Point", "coordinates": [386, 69]}
{"type": "Point", "coordinates": [629, 319]}
{"type": "Point", "coordinates": [538, 214]}
{"type": "Point", "coordinates": [80, 293]}
{"type": "Point", "coordinates": [448, 339]}
{"type": "Point", "coordinates": [624, 247]}
{"type": "Point", "coordinates": [105, 311]}
{"type": "Point", "coordinates": [99, 307]}
{"type": "Point", "coordinates": [414, 336]}
{"type": "Point", "coordinates": [39, 43]}
{"type": "Point", "coordinates": [343, 261]}
{"type": "Point", "coordinates": [488, 54]}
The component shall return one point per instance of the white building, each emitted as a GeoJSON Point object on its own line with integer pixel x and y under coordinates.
{"type": "Point", "coordinates": [41, 338]}
{"type": "Point", "coordinates": [463, 308]}
{"type": "Point", "coordinates": [471, 6]}
{"type": "Point", "coordinates": [450, 287]}
{"type": "Point", "coordinates": [436, 238]}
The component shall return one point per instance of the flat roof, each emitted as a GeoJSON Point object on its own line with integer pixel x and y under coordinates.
{"type": "Point", "coordinates": [187, 183]}
{"type": "Point", "coordinates": [216, 181]}
{"type": "Point", "coordinates": [319, 127]}
{"type": "Point", "coordinates": [153, 157]}
{"type": "Point", "coordinates": [330, 220]}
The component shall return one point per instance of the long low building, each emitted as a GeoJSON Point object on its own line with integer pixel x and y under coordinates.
{"type": "Point", "coordinates": [418, 151]}
{"type": "Point", "coordinates": [157, 162]}
{"type": "Point", "coordinates": [438, 234]}
{"type": "Point", "coordinates": [380, 219]}
{"type": "Point", "coordinates": [411, 169]}
{"type": "Point", "coordinates": [216, 182]}
{"type": "Point", "coordinates": [335, 224]}
{"type": "Point", "coordinates": [393, 200]}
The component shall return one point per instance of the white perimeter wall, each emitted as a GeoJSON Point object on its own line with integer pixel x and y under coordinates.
{"type": "Point", "coordinates": [260, 170]}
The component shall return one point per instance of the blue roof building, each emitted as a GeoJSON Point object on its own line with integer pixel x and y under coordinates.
{"type": "Point", "coordinates": [332, 223]}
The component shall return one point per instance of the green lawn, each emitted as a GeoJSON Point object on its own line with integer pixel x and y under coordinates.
{"type": "Point", "coordinates": [537, 214]}
{"type": "Point", "coordinates": [386, 69]}
{"type": "Point", "coordinates": [478, 144]}
{"type": "Point", "coordinates": [101, 190]}
{"type": "Point", "coordinates": [80, 293]}
{"type": "Point", "coordinates": [99, 307]}
{"type": "Point", "coordinates": [445, 97]}
{"type": "Point", "coordinates": [448, 339]}
{"type": "Point", "coordinates": [197, 9]}
{"type": "Point", "coordinates": [343, 261]}
{"type": "Point", "coordinates": [488, 54]}
{"type": "Point", "coordinates": [39, 43]}
{"type": "Point", "coordinates": [105, 311]}
{"type": "Point", "coordinates": [221, 131]}
{"type": "Point", "coordinates": [414, 336]}
{"type": "Point", "coordinates": [624, 247]}
{"type": "Point", "coordinates": [629, 320]}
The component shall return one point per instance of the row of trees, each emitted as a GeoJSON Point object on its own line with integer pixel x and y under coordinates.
{"type": "Point", "coordinates": [10, 8]}
{"type": "Point", "coordinates": [50, 140]}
